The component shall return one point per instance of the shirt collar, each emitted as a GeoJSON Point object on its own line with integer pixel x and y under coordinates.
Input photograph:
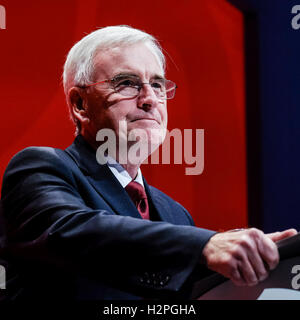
{"type": "Point", "coordinates": [121, 174]}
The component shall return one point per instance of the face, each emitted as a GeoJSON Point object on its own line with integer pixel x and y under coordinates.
{"type": "Point", "coordinates": [106, 108]}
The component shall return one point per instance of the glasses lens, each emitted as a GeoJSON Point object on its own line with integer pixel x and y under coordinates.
{"type": "Point", "coordinates": [159, 87]}
{"type": "Point", "coordinates": [170, 89]}
{"type": "Point", "coordinates": [164, 89]}
{"type": "Point", "coordinates": [127, 85]}
{"type": "Point", "coordinates": [130, 86]}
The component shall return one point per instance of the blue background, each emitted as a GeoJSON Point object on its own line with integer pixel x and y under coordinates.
{"type": "Point", "coordinates": [273, 113]}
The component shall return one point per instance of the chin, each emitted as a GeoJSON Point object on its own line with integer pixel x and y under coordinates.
{"type": "Point", "coordinates": [152, 135]}
{"type": "Point", "coordinates": [146, 125]}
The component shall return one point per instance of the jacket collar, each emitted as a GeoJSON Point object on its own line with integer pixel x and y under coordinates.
{"type": "Point", "coordinates": [84, 156]}
{"type": "Point", "coordinates": [106, 184]}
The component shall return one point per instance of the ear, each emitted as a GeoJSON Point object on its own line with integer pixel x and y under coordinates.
{"type": "Point", "coordinates": [76, 100]}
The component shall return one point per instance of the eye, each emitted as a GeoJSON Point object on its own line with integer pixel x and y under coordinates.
{"type": "Point", "coordinates": [127, 83]}
{"type": "Point", "coordinates": [158, 84]}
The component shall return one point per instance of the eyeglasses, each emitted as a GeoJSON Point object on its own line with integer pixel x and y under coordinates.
{"type": "Point", "coordinates": [130, 86]}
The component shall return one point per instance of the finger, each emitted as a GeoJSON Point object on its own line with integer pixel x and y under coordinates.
{"type": "Point", "coordinates": [276, 236]}
{"type": "Point", "coordinates": [247, 271]}
{"type": "Point", "coordinates": [228, 267]}
{"type": "Point", "coordinates": [237, 278]}
{"type": "Point", "coordinates": [268, 251]}
{"type": "Point", "coordinates": [254, 257]}
{"type": "Point", "coordinates": [258, 265]}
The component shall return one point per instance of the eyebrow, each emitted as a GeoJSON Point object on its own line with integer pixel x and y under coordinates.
{"type": "Point", "coordinates": [125, 74]}
{"type": "Point", "coordinates": [131, 74]}
{"type": "Point", "coordinates": [158, 77]}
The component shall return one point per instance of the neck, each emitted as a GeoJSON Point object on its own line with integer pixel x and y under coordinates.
{"type": "Point", "coordinates": [132, 169]}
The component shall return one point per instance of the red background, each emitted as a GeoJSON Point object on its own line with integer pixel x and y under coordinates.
{"type": "Point", "coordinates": [203, 40]}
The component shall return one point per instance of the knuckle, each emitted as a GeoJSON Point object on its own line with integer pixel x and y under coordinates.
{"type": "Point", "coordinates": [275, 260]}
{"type": "Point", "coordinates": [262, 272]}
{"type": "Point", "coordinates": [229, 267]}
{"type": "Point", "coordinates": [246, 242]}
{"type": "Point", "coordinates": [263, 276]}
{"type": "Point", "coordinates": [235, 251]}
{"type": "Point", "coordinates": [252, 283]}
{"type": "Point", "coordinates": [235, 275]}
{"type": "Point", "coordinates": [251, 278]}
{"type": "Point", "coordinates": [255, 233]}
{"type": "Point", "coordinates": [244, 239]}
{"type": "Point", "coordinates": [227, 260]}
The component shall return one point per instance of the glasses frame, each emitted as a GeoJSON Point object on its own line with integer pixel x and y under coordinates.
{"type": "Point", "coordinates": [112, 83]}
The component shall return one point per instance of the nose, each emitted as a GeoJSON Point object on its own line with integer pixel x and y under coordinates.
{"type": "Point", "coordinates": [147, 97]}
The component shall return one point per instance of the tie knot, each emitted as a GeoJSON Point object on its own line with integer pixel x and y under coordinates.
{"type": "Point", "coordinates": [136, 191]}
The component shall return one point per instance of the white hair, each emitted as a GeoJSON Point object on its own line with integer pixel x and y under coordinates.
{"type": "Point", "coordinates": [79, 65]}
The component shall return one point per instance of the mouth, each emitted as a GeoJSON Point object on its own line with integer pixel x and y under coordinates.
{"type": "Point", "coordinates": [145, 119]}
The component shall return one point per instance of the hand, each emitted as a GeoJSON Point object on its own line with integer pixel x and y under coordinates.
{"type": "Point", "coordinates": [245, 256]}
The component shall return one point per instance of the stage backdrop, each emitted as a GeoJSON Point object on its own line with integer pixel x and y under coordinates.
{"type": "Point", "coordinates": [203, 42]}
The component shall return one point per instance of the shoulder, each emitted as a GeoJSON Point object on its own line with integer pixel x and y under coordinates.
{"type": "Point", "coordinates": [34, 153]}
{"type": "Point", "coordinates": [34, 157]}
{"type": "Point", "coordinates": [37, 160]}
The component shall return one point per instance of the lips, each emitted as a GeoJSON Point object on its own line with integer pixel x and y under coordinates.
{"type": "Point", "coordinates": [149, 119]}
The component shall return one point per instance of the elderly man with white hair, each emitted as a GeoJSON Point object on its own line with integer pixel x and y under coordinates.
{"type": "Point", "coordinates": [81, 229]}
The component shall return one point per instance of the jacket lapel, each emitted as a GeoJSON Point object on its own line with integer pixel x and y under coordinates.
{"type": "Point", "coordinates": [160, 204]}
{"type": "Point", "coordinates": [101, 178]}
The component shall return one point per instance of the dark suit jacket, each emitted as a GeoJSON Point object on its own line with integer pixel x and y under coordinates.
{"type": "Point", "coordinates": [73, 232]}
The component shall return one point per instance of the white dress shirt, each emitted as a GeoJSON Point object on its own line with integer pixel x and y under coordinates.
{"type": "Point", "coordinates": [121, 174]}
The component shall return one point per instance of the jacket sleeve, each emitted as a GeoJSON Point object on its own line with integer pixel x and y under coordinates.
{"type": "Point", "coordinates": [49, 222]}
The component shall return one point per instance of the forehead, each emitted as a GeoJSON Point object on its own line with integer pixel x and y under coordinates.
{"type": "Point", "coordinates": [136, 59]}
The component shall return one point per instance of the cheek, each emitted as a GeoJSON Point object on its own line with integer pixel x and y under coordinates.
{"type": "Point", "coordinates": [164, 115]}
{"type": "Point", "coordinates": [118, 120]}
{"type": "Point", "coordinates": [121, 110]}
{"type": "Point", "coordinates": [117, 113]}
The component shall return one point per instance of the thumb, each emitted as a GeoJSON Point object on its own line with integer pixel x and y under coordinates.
{"type": "Point", "coordinates": [276, 236]}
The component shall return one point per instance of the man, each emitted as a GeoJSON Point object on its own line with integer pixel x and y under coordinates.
{"type": "Point", "coordinates": [77, 229]}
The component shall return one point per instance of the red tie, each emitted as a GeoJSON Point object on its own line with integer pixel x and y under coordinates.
{"type": "Point", "coordinates": [139, 198]}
